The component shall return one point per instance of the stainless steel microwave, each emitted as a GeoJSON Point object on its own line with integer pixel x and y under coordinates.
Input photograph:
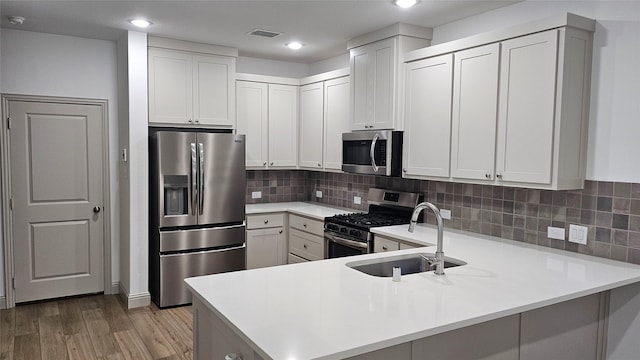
{"type": "Point", "coordinates": [374, 152]}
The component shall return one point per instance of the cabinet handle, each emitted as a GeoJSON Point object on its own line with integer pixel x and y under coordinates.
{"type": "Point", "coordinates": [266, 221]}
{"type": "Point", "coordinates": [384, 248]}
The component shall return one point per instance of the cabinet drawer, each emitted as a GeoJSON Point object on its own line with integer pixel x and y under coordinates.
{"type": "Point", "coordinates": [262, 221]}
{"type": "Point", "coordinates": [305, 224]}
{"type": "Point", "coordinates": [305, 245]}
{"type": "Point", "coordinates": [381, 244]}
{"type": "Point", "coordinates": [408, 246]}
{"type": "Point", "coordinates": [294, 259]}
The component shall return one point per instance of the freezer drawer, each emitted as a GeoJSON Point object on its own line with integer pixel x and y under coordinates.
{"type": "Point", "coordinates": [175, 268]}
{"type": "Point", "coordinates": [180, 240]}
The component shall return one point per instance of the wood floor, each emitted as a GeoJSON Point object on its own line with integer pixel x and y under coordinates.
{"type": "Point", "coordinates": [94, 327]}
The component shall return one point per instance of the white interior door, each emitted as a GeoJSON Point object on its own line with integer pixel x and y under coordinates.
{"type": "Point", "coordinates": [57, 196]}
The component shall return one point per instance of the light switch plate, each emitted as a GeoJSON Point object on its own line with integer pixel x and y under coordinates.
{"type": "Point", "coordinates": [256, 194]}
{"type": "Point", "coordinates": [446, 214]}
{"type": "Point", "coordinates": [318, 193]}
{"type": "Point", "coordinates": [555, 233]}
{"type": "Point", "coordinates": [578, 234]}
{"type": "Point", "coordinates": [357, 200]}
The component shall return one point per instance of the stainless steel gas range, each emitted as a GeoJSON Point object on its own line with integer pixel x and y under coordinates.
{"type": "Point", "coordinates": [346, 235]}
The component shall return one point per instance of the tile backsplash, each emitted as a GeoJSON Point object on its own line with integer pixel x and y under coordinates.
{"type": "Point", "coordinates": [610, 210]}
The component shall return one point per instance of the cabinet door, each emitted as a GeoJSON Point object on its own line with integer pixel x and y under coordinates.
{"type": "Point", "coordinates": [214, 102]}
{"type": "Point", "coordinates": [283, 125]}
{"type": "Point", "coordinates": [360, 87]}
{"type": "Point", "coordinates": [428, 117]}
{"type": "Point", "coordinates": [337, 105]}
{"type": "Point", "coordinates": [265, 247]}
{"type": "Point", "coordinates": [382, 69]}
{"type": "Point", "coordinates": [252, 111]}
{"type": "Point", "coordinates": [475, 102]}
{"type": "Point", "coordinates": [170, 87]}
{"type": "Point", "coordinates": [311, 125]}
{"type": "Point", "coordinates": [526, 108]}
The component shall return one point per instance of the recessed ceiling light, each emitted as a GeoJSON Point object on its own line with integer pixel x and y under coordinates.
{"type": "Point", "coordinates": [141, 23]}
{"type": "Point", "coordinates": [294, 45]}
{"type": "Point", "coordinates": [405, 4]}
{"type": "Point", "coordinates": [16, 20]}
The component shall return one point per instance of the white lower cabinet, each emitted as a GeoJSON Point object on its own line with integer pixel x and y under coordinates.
{"type": "Point", "coordinates": [306, 239]}
{"type": "Point", "coordinates": [384, 244]}
{"type": "Point", "coordinates": [266, 240]}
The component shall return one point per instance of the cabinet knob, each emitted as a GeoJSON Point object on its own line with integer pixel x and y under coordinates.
{"type": "Point", "coordinates": [304, 246]}
{"type": "Point", "coordinates": [384, 248]}
{"type": "Point", "coordinates": [304, 225]}
{"type": "Point", "coordinates": [264, 163]}
{"type": "Point", "coordinates": [232, 356]}
{"type": "Point", "coordinates": [319, 165]}
{"type": "Point", "coordinates": [197, 121]}
{"type": "Point", "coordinates": [499, 176]}
{"type": "Point", "coordinates": [190, 121]}
{"type": "Point", "coordinates": [404, 169]}
{"type": "Point", "coordinates": [271, 163]}
{"type": "Point", "coordinates": [280, 232]}
{"type": "Point", "coordinates": [266, 221]}
{"type": "Point", "coordinates": [487, 175]}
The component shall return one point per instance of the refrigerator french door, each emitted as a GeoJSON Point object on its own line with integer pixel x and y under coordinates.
{"type": "Point", "coordinates": [197, 209]}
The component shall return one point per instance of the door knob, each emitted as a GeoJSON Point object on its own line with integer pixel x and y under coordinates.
{"type": "Point", "coordinates": [96, 209]}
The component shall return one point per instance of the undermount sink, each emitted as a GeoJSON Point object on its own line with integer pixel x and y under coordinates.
{"type": "Point", "coordinates": [408, 264]}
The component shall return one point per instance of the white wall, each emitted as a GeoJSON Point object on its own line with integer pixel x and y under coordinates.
{"type": "Point", "coordinates": [330, 64]}
{"type": "Point", "coordinates": [45, 64]}
{"type": "Point", "coordinates": [134, 189]}
{"type": "Point", "coordinates": [615, 91]}
{"type": "Point", "coordinates": [257, 66]}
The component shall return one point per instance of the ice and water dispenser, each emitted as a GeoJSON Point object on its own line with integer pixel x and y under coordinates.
{"type": "Point", "coordinates": [176, 195]}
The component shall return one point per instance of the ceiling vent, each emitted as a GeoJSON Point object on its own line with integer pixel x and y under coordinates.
{"type": "Point", "coordinates": [264, 33]}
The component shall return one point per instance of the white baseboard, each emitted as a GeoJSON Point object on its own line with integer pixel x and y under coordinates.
{"type": "Point", "coordinates": [3, 302]}
{"type": "Point", "coordinates": [135, 300]}
{"type": "Point", "coordinates": [115, 287]}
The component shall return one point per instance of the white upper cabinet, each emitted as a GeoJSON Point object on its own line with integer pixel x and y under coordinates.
{"type": "Point", "coordinates": [520, 106]}
{"type": "Point", "coordinates": [188, 88]}
{"type": "Point", "coordinates": [268, 116]}
{"type": "Point", "coordinates": [337, 106]}
{"type": "Point", "coordinates": [526, 108]}
{"type": "Point", "coordinates": [253, 117]}
{"type": "Point", "coordinates": [377, 78]}
{"type": "Point", "coordinates": [311, 125]}
{"type": "Point", "coordinates": [324, 116]}
{"type": "Point", "coordinates": [283, 125]}
{"type": "Point", "coordinates": [428, 118]}
{"type": "Point", "coordinates": [475, 102]}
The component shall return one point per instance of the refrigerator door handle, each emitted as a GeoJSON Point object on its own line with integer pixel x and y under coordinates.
{"type": "Point", "coordinates": [194, 179]}
{"type": "Point", "coordinates": [201, 149]}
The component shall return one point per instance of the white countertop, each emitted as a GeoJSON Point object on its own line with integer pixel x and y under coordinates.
{"type": "Point", "coordinates": [315, 211]}
{"type": "Point", "coordinates": [326, 310]}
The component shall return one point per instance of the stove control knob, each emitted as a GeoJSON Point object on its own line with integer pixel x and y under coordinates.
{"type": "Point", "coordinates": [344, 230]}
{"type": "Point", "coordinates": [355, 233]}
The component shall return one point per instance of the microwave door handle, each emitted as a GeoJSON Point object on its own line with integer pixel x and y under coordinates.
{"type": "Point", "coordinates": [194, 179]}
{"type": "Point", "coordinates": [372, 152]}
{"type": "Point", "coordinates": [201, 149]}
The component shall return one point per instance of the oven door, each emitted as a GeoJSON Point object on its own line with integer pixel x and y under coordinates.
{"type": "Point", "coordinates": [336, 246]}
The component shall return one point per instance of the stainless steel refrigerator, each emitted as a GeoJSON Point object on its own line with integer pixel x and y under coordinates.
{"type": "Point", "coordinates": [196, 207]}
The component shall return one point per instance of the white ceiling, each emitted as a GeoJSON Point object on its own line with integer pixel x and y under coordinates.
{"type": "Point", "coordinates": [323, 26]}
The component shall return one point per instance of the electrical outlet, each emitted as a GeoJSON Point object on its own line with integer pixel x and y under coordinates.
{"type": "Point", "coordinates": [256, 194]}
{"type": "Point", "coordinates": [578, 234]}
{"type": "Point", "coordinates": [555, 233]}
{"type": "Point", "coordinates": [318, 194]}
{"type": "Point", "coordinates": [357, 200]}
{"type": "Point", "coordinates": [446, 214]}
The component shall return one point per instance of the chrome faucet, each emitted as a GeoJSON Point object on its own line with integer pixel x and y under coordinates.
{"type": "Point", "coordinates": [439, 260]}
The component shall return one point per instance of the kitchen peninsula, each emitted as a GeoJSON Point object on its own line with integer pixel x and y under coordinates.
{"type": "Point", "coordinates": [511, 300]}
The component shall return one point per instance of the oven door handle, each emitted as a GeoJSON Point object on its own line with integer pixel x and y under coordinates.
{"type": "Point", "coordinates": [372, 152]}
{"type": "Point", "coordinates": [346, 242]}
